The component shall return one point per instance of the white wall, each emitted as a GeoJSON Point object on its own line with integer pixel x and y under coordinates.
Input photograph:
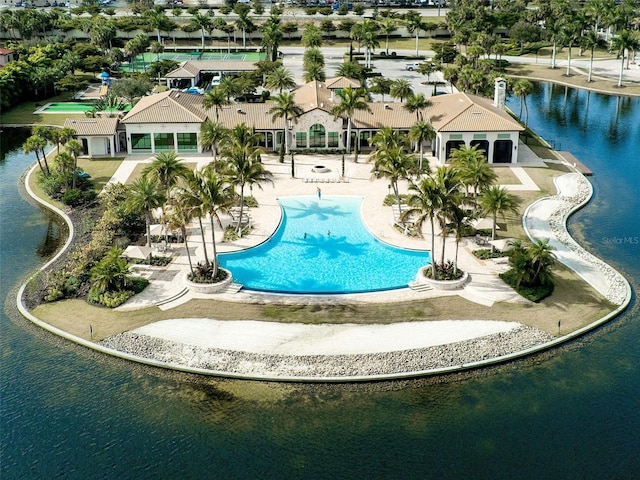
{"type": "Point", "coordinates": [162, 128]}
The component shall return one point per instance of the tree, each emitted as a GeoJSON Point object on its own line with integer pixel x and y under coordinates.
{"type": "Point", "coordinates": [394, 164]}
{"type": "Point", "coordinates": [590, 41]}
{"type": "Point", "coordinates": [143, 197]}
{"type": "Point", "coordinates": [280, 79]}
{"type": "Point", "coordinates": [401, 89]}
{"type": "Point", "coordinates": [351, 70]}
{"type": "Point", "coordinates": [414, 25]}
{"type": "Point", "coordinates": [110, 274]}
{"type": "Point", "coordinates": [211, 135]}
{"type": "Point", "coordinates": [459, 223]}
{"type": "Point", "coordinates": [420, 132]}
{"type": "Point", "coordinates": [496, 201]}
{"type": "Point", "coordinates": [132, 88]}
{"type": "Point", "coordinates": [625, 41]}
{"type": "Point", "coordinates": [351, 101]}
{"type": "Point", "coordinates": [473, 169]}
{"type": "Point", "coordinates": [417, 104]}
{"type": "Point", "coordinates": [242, 161]}
{"type": "Point", "coordinates": [521, 89]}
{"type": "Point", "coordinates": [286, 108]}
{"type": "Point", "coordinates": [243, 22]}
{"type": "Point", "coordinates": [215, 98]}
{"type": "Point", "coordinates": [311, 36]}
{"type": "Point", "coordinates": [64, 161]}
{"type": "Point", "coordinates": [179, 217]}
{"type": "Point", "coordinates": [542, 259]}
{"type": "Point", "coordinates": [36, 144]}
{"type": "Point", "coordinates": [314, 71]}
{"type": "Point", "coordinates": [166, 169]}
{"type": "Point", "coordinates": [387, 25]}
{"type": "Point", "coordinates": [271, 39]}
{"type": "Point", "coordinates": [448, 185]}
{"type": "Point", "coordinates": [203, 23]}
{"type": "Point", "coordinates": [380, 86]}
{"type": "Point", "coordinates": [74, 147]}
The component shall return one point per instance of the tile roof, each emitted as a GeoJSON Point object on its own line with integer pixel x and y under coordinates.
{"type": "Point", "coordinates": [5, 51]}
{"type": "Point", "coordinates": [167, 107]}
{"type": "Point", "coordinates": [462, 112]}
{"type": "Point", "coordinates": [341, 82]}
{"type": "Point", "coordinates": [191, 68]}
{"type": "Point", "coordinates": [87, 127]}
{"type": "Point", "coordinates": [458, 112]}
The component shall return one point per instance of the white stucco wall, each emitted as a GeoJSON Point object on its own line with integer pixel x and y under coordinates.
{"type": "Point", "coordinates": [443, 137]}
{"type": "Point", "coordinates": [152, 128]}
{"type": "Point", "coordinates": [311, 118]}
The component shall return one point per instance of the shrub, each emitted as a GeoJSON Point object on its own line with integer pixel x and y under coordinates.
{"type": "Point", "coordinates": [203, 273]}
{"type": "Point", "coordinates": [535, 293]}
{"type": "Point", "coordinates": [445, 271]}
{"type": "Point", "coordinates": [486, 253]}
{"type": "Point", "coordinates": [160, 261]}
{"type": "Point", "coordinates": [110, 299]}
{"type": "Point", "coordinates": [72, 197]}
{"type": "Point", "coordinates": [138, 284]}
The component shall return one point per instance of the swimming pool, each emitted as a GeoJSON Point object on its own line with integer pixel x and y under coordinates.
{"type": "Point", "coordinates": [78, 107]}
{"type": "Point", "coordinates": [322, 247]}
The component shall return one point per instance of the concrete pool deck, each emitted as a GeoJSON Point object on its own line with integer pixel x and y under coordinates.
{"type": "Point", "coordinates": [349, 352]}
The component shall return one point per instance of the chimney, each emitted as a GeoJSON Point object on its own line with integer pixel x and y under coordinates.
{"type": "Point", "coordinates": [500, 93]}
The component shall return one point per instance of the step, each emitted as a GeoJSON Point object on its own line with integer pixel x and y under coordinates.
{"type": "Point", "coordinates": [178, 295]}
{"type": "Point", "coordinates": [420, 287]}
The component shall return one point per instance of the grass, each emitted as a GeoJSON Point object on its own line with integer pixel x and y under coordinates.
{"type": "Point", "coordinates": [101, 170]}
{"type": "Point", "coordinates": [23, 114]}
{"type": "Point", "coordinates": [544, 72]}
{"type": "Point", "coordinates": [137, 171]}
{"type": "Point", "coordinates": [506, 176]}
{"type": "Point", "coordinates": [573, 302]}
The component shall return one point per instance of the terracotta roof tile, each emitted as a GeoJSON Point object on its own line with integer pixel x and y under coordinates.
{"type": "Point", "coordinates": [167, 107]}
{"type": "Point", "coordinates": [93, 126]}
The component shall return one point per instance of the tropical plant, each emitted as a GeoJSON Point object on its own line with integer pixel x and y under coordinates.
{"type": "Point", "coordinates": [203, 23]}
{"type": "Point", "coordinates": [401, 89]}
{"type": "Point", "coordinates": [625, 41]}
{"type": "Point", "coordinates": [215, 98]}
{"type": "Point", "coordinates": [497, 201]}
{"type": "Point", "coordinates": [394, 164]}
{"type": "Point", "coordinates": [473, 169]}
{"type": "Point", "coordinates": [421, 132]}
{"type": "Point", "coordinates": [143, 197]}
{"type": "Point", "coordinates": [286, 108]}
{"type": "Point", "coordinates": [37, 144]}
{"type": "Point", "coordinates": [417, 104]}
{"type": "Point", "coordinates": [110, 274]}
{"type": "Point", "coordinates": [351, 101]}
{"type": "Point", "coordinates": [280, 79]}
{"type": "Point", "coordinates": [521, 89]}
{"type": "Point", "coordinates": [211, 136]}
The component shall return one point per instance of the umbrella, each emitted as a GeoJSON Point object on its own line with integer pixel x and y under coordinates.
{"type": "Point", "coordinates": [503, 244]}
{"type": "Point", "coordinates": [157, 229]}
{"type": "Point", "coordinates": [137, 251]}
{"type": "Point", "coordinates": [483, 223]}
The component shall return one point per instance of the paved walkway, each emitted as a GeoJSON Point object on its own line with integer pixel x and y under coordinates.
{"type": "Point", "coordinates": [484, 288]}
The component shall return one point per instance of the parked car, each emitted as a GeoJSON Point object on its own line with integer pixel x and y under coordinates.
{"type": "Point", "coordinates": [412, 66]}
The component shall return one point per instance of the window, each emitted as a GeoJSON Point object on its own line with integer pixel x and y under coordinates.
{"type": "Point", "coordinates": [316, 136]}
{"type": "Point", "coordinates": [141, 142]}
{"type": "Point", "coordinates": [268, 140]}
{"type": "Point", "coordinates": [334, 140]}
{"type": "Point", "coordinates": [187, 142]}
{"type": "Point", "coordinates": [483, 146]}
{"type": "Point", "coordinates": [502, 151]}
{"type": "Point", "coordinates": [452, 145]}
{"type": "Point", "coordinates": [301, 139]}
{"type": "Point", "coordinates": [163, 141]}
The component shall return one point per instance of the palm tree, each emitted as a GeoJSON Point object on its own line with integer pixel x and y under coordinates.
{"type": "Point", "coordinates": [214, 193]}
{"type": "Point", "coordinates": [202, 22]}
{"type": "Point", "coordinates": [542, 259]}
{"type": "Point", "coordinates": [166, 169]}
{"type": "Point", "coordinates": [420, 132]}
{"type": "Point", "coordinates": [74, 147]}
{"type": "Point", "coordinates": [424, 203]}
{"type": "Point", "coordinates": [351, 100]}
{"type": "Point", "coordinates": [473, 168]}
{"type": "Point", "coordinates": [211, 135]}
{"type": "Point", "coordinates": [417, 104]}
{"type": "Point", "coordinates": [350, 70]}
{"type": "Point", "coordinates": [401, 88]}
{"type": "Point", "coordinates": [311, 36]}
{"type": "Point", "coordinates": [243, 22]}
{"type": "Point", "coordinates": [215, 98]}
{"type": "Point", "coordinates": [143, 197]}
{"type": "Point", "coordinates": [495, 201]}
{"type": "Point", "coordinates": [625, 40]}
{"type": "Point", "coordinates": [369, 38]}
{"type": "Point", "coordinates": [110, 274]}
{"type": "Point", "coordinates": [286, 108]}
{"type": "Point", "coordinates": [521, 89]}
{"type": "Point", "coordinates": [448, 185]}
{"type": "Point", "coordinates": [65, 162]}
{"type": "Point", "coordinates": [314, 71]}
{"type": "Point", "coordinates": [394, 164]}
{"type": "Point", "coordinates": [387, 137]}
{"type": "Point", "coordinates": [280, 79]}
{"type": "Point", "coordinates": [189, 198]}
{"type": "Point", "coordinates": [590, 41]}
{"type": "Point", "coordinates": [242, 162]}
{"type": "Point", "coordinates": [414, 25]}
{"type": "Point", "coordinates": [311, 56]}
{"type": "Point", "coordinates": [459, 222]}
{"type": "Point", "coordinates": [179, 217]}
{"type": "Point", "coordinates": [271, 38]}
{"type": "Point", "coordinates": [387, 25]}
{"type": "Point", "coordinates": [229, 86]}
{"type": "Point", "coordinates": [36, 144]}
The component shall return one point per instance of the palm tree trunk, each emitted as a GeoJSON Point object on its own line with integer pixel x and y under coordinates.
{"type": "Point", "coordinates": [147, 218]}
{"type": "Point", "coordinates": [590, 66]}
{"type": "Point", "coordinates": [349, 135]}
{"type": "Point", "coordinates": [239, 228]}
{"type": "Point", "coordinates": [213, 243]}
{"type": "Point", "coordinates": [455, 259]}
{"type": "Point", "coordinates": [621, 71]}
{"type": "Point", "coordinates": [204, 242]}
{"type": "Point", "coordinates": [183, 230]}
{"type": "Point", "coordinates": [433, 248]}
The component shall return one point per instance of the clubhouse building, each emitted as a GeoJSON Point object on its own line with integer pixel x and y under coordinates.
{"type": "Point", "coordinates": [171, 121]}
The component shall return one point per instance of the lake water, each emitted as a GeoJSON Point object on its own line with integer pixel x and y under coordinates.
{"type": "Point", "coordinates": [571, 414]}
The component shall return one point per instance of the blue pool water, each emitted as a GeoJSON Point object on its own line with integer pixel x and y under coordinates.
{"type": "Point", "coordinates": [322, 246]}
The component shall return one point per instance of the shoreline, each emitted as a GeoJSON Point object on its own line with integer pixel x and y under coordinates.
{"type": "Point", "coordinates": [408, 363]}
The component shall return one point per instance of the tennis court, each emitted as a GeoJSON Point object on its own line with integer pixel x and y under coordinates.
{"type": "Point", "coordinates": [142, 61]}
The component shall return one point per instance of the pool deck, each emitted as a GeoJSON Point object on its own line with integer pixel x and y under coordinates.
{"type": "Point", "coordinates": [255, 337]}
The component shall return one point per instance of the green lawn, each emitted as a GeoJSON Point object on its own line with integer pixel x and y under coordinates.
{"type": "Point", "coordinates": [101, 170]}
{"type": "Point", "coordinates": [23, 114]}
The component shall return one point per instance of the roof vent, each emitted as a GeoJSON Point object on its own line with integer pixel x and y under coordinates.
{"type": "Point", "coordinates": [322, 104]}
{"type": "Point", "coordinates": [177, 95]}
{"type": "Point", "coordinates": [164, 105]}
{"type": "Point", "coordinates": [387, 107]}
{"type": "Point", "coordinates": [240, 111]}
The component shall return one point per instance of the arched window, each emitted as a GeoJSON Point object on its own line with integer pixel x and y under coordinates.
{"type": "Point", "coordinates": [502, 151]}
{"type": "Point", "coordinates": [483, 146]}
{"type": "Point", "coordinates": [453, 145]}
{"type": "Point", "coordinates": [317, 136]}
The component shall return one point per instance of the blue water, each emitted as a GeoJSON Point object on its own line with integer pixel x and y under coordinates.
{"type": "Point", "coordinates": [321, 246]}
{"type": "Point", "coordinates": [573, 413]}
